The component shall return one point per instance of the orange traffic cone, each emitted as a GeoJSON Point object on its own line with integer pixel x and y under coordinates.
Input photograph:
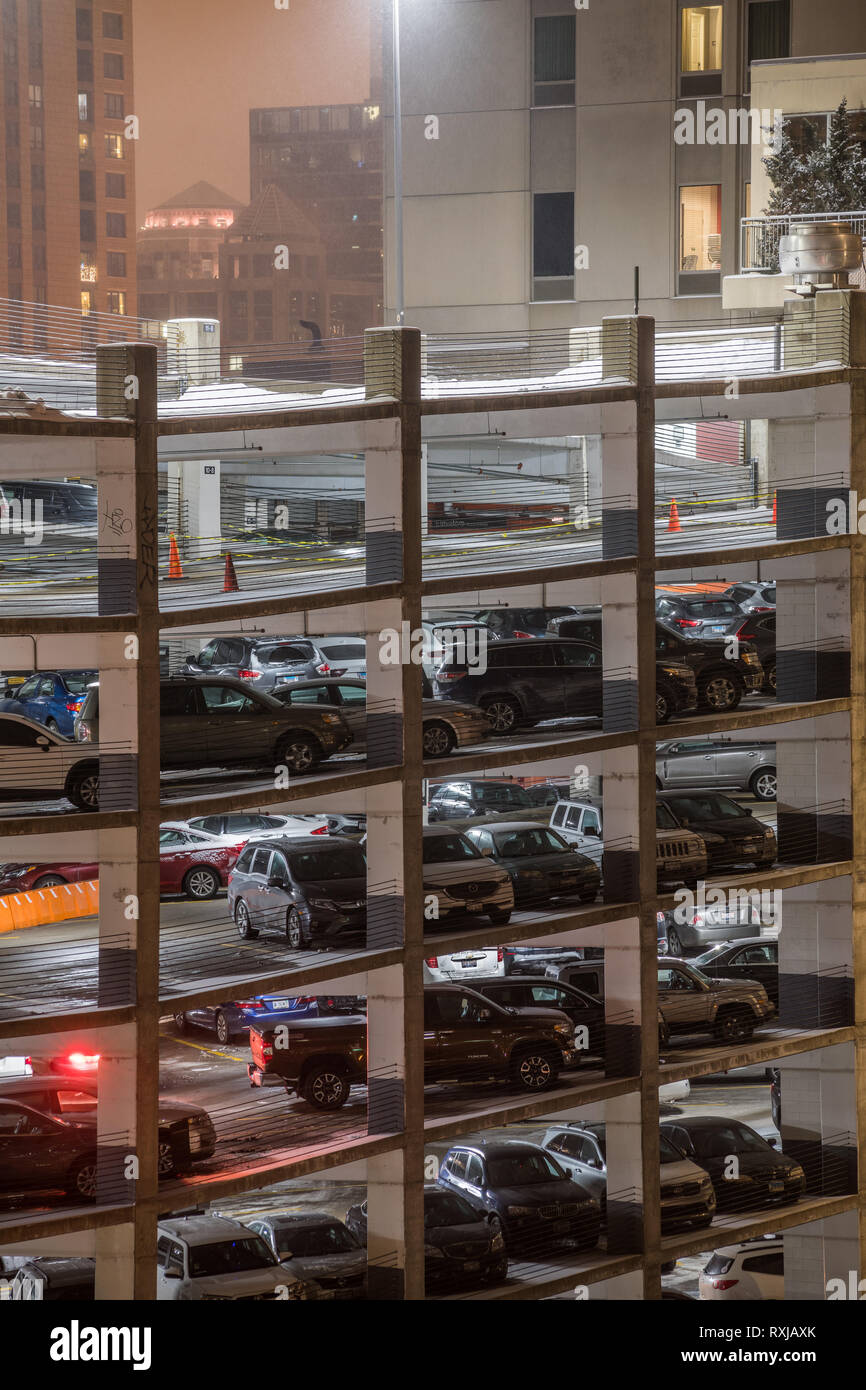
{"type": "Point", "coordinates": [174, 569]}
{"type": "Point", "coordinates": [774, 508]}
{"type": "Point", "coordinates": [230, 583]}
{"type": "Point", "coordinates": [674, 518]}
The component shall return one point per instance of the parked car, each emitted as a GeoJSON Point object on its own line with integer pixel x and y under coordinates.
{"type": "Point", "coordinates": [753, 594]}
{"type": "Point", "coordinates": [225, 723]}
{"type": "Point", "coordinates": [249, 824]}
{"type": "Point", "coordinates": [585, 975]}
{"type": "Point", "coordinates": [445, 725]}
{"type": "Point", "coordinates": [523, 959]}
{"type": "Point", "coordinates": [543, 866]}
{"type": "Point", "coordinates": [70, 1279]}
{"type": "Point", "coordinates": [462, 878]}
{"type": "Point", "coordinates": [548, 793]}
{"type": "Point", "coordinates": [749, 765]}
{"type": "Point", "coordinates": [761, 1175]}
{"type": "Point", "coordinates": [721, 681]}
{"type": "Point", "coordinates": [475, 961]}
{"type": "Point", "coordinates": [229, 1020]}
{"type": "Point", "coordinates": [186, 1132]}
{"type": "Point", "coordinates": [466, 1038]}
{"type": "Point", "coordinates": [36, 763]}
{"type": "Point", "coordinates": [696, 614]}
{"type": "Point", "coordinates": [349, 823]}
{"type": "Point", "coordinates": [52, 499]}
{"type": "Point", "coordinates": [538, 992]}
{"type": "Point", "coordinates": [44, 1151]}
{"type": "Point", "coordinates": [547, 678]}
{"type": "Point", "coordinates": [508, 622]}
{"type": "Point", "coordinates": [206, 1258]}
{"type": "Point", "coordinates": [687, 1195]}
{"type": "Point", "coordinates": [21, 878]}
{"type": "Point", "coordinates": [316, 1247]}
{"type": "Point", "coordinates": [537, 1202]}
{"type": "Point", "coordinates": [749, 1272]}
{"type": "Point", "coordinates": [52, 698]}
{"type": "Point", "coordinates": [690, 930]}
{"type": "Point", "coordinates": [731, 833]}
{"type": "Point", "coordinates": [681, 857]}
{"type": "Point", "coordinates": [443, 635]}
{"type": "Point", "coordinates": [755, 958]}
{"type": "Point", "coordinates": [304, 888]}
{"type": "Point", "coordinates": [270, 662]}
{"type": "Point", "coordinates": [462, 1246]}
{"type": "Point", "coordinates": [465, 798]}
{"type": "Point", "coordinates": [690, 1002]}
{"type": "Point", "coordinates": [758, 626]}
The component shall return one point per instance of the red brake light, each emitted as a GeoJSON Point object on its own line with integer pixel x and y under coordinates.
{"type": "Point", "coordinates": [723, 1283]}
{"type": "Point", "coordinates": [449, 675]}
{"type": "Point", "coordinates": [432, 961]}
{"type": "Point", "coordinates": [72, 706]}
{"type": "Point", "coordinates": [251, 1004]}
{"type": "Point", "coordinates": [763, 609]}
{"type": "Point", "coordinates": [83, 1061]}
{"type": "Point", "coordinates": [249, 675]}
{"type": "Point", "coordinates": [687, 622]}
{"type": "Point", "coordinates": [324, 669]}
{"type": "Point", "coordinates": [522, 634]}
{"type": "Point", "coordinates": [500, 954]}
{"type": "Point", "coordinates": [320, 830]}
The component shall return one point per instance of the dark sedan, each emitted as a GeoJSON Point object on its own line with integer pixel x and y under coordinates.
{"type": "Point", "coordinates": [746, 1170]}
{"type": "Point", "coordinates": [538, 1204]}
{"type": "Point", "coordinates": [524, 992]}
{"type": "Point", "coordinates": [463, 1245]}
{"type": "Point", "coordinates": [756, 958]}
{"type": "Point", "coordinates": [542, 865]}
{"type": "Point", "coordinates": [732, 834]}
{"type": "Point", "coordinates": [42, 1151]}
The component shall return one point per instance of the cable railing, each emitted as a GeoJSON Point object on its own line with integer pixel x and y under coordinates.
{"type": "Point", "coordinates": [760, 236]}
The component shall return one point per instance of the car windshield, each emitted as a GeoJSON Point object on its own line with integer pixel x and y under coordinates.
{"type": "Point", "coordinates": [712, 954]}
{"type": "Point", "coordinates": [524, 844]}
{"type": "Point", "coordinates": [441, 849]}
{"type": "Point", "coordinates": [522, 1170]}
{"type": "Point", "coordinates": [285, 654]}
{"type": "Point", "coordinates": [341, 861]}
{"type": "Point", "coordinates": [229, 1256]}
{"type": "Point", "coordinates": [708, 806]}
{"type": "Point", "coordinates": [506, 796]}
{"type": "Point", "coordinates": [448, 1209]}
{"type": "Point", "coordinates": [712, 608]}
{"type": "Point", "coordinates": [322, 1239]}
{"type": "Point", "coordinates": [727, 1138]}
{"type": "Point", "coordinates": [664, 818]}
{"type": "Point", "coordinates": [344, 651]}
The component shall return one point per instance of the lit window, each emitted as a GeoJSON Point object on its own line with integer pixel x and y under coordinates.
{"type": "Point", "coordinates": [86, 303]}
{"type": "Point", "coordinates": [83, 142]}
{"type": "Point", "coordinates": [34, 93]}
{"type": "Point", "coordinates": [114, 147]}
{"type": "Point", "coordinates": [117, 301]}
{"type": "Point", "coordinates": [88, 272]}
{"type": "Point", "coordinates": [702, 39]}
{"type": "Point", "coordinates": [701, 228]}
{"type": "Point", "coordinates": [83, 106]}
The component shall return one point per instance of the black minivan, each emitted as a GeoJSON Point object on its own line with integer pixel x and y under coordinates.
{"type": "Point", "coordinates": [306, 891]}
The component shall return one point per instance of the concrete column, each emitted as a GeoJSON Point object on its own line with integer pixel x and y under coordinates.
{"type": "Point", "coordinates": [194, 506]}
{"type": "Point", "coordinates": [813, 622]}
{"type": "Point", "coordinates": [594, 487]}
{"type": "Point", "coordinates": [819, 1121]}
{"type": "Point", "coordinates": [809, 463]}
{"type": "Point", "coordinates": [115, 1246]}
{"type": "Point", "coordinates": [815, 955]}
{"type": "Point", "coordinates": [577, 478]}
{"type": "Point", "coordinates": [814, 791]}
{"type": "Point", "coordinates": [820, 1253]}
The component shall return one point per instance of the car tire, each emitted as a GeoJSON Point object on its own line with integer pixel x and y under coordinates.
{"type": "Point", "coordinates": [81, 1178]}
{"type": "Point", "coordinates": [500, 916]}
{"type": "Point", "coordinates": [763, 784]}
{"type": "Point", "coordinates": [82, 786]}
{"type": "Point", "coordinates": [502, 714]}
{"type": "Point", "coordinates": [769, 686]}
{"type": "Point", "coordinates": [296, 937]}
{"type": "Point", "coordinates": [675, 945]}
{"type": "Point", "coordinates": [719, 692]}
{"type": "Point", "coordinates": [52, 726]}
{"type": "Point", "coordinates": [535, 1069]}
{"type": "Point", "coordinates": [588, 895]}
{"type": "Point", "coordinates": [299, 752]}
{"type": "Point", "coordinates": [221, 1028]}
{"type": "Point", "coordinates": [49, 881]}
{"type": "Point", "coordinates": [497, 1273]}
{"type": "Point", "coordinates": [325, 1088]}
{"type": "Point", "coordinates": [201, 883]}
{"type": "Point", "coordinates": [734, 1025]}
{"type": "Point", "coordinates": [243, 922]}
{"type": "Point", "coordinates": [664, 705]}
{"type": "Point", "coordinates": [180, 1023]}
{"type": "Point", "coordinates": [437, 739]}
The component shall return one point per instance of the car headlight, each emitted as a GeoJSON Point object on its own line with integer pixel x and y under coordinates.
{"type": "Point", "coordinates": [432, 1252]}
{"type": "Point", "coordinates": [520, 1211]}
{"type": "Point", "coordinates": [326, 903]}
{"type": "Point", "coordinates": [750, 658]}
{"type": "Point", "coordinates": [497, 1243]}
{"type": "Point", "coordinates": [796, 1172]}
{"type": "Point", "coordinates": [565, 1028]}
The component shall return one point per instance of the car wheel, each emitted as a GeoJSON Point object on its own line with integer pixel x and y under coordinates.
{"type": "Point", "coordinates": [201, 883]}
{"type": "Point", "coordinates": [664, 707]}
{"type": "Point", "coordinates": [437, 739]}
{"type": "Point", "coordinates": [81, 1179]}
{"type": "Point", "coordinates": [535, 1070]}
{"type": "Point", "coordinates": [82, 786]}
{"type": "Point", "coordinates": [243, 922]}
{"type": "Point", "coordinates": [734, 1025]}
{"type": "Point", "coordinates": [221, 1027]}
{"type": "Point", "coordinates": [763, 784]}
{"type": "Point", "coordinates": [52, 725]}
{"type": "Point", "coordinates": [719, 692]}
{"type": "Point", "coordinates": [675, 945]}
{"type": "Point", "coordinates": [165, 1166]}
{"type": "Point", "coordinates": [588, 895]}
{"type": "Point", "coordinates": [180, 1023]}
{"type": "Point", "coordinates": [295, 934]}
{"type": "Point", "coordinates": [500, 915]}
{"type": "Point", "coordinates": [497, 1273]}
{"type": "Point", "coordinates": [49, 881]}
{"type": "Point", "coordinates": [769, 685]}
{"type": "Point", "coordinates": [299, 752]}
{"type": "Point", "coordinates": [502, 714]}
{"type": "Point", "coordinates": [325, 1088]}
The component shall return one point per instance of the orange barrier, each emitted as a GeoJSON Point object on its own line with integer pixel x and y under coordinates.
{"type": "Point", "coordinates": [674, 519]}
{"type": "Point", "coordinates": [42, 906]}
{"type": "Point", "coordinates": [230, 583]}
{"type": "Point", "coordinates": [774, 508]}
{"type": "Point", "coordinates": [174, 567]}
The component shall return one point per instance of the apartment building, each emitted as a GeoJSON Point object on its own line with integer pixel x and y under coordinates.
{"type": "Point", "coordinates": [534, 186]}
{"type": "Point", "coordinates": [67, 197]}
{"type": "Point", "coordinates": [178, 251]}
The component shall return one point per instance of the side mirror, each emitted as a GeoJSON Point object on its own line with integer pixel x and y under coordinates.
{"type": "Point", "coordinates": [44, 743]}
{"type": "Point", "coordinates": [192, 660]}
{"type": "Point", "coordinates": [773, 1142]}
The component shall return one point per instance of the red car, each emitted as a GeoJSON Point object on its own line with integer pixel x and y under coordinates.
{"type": "Point", "coordinates": [191, 862]}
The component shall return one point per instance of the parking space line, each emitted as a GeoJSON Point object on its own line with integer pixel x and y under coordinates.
{"type": "Point", "coordinates": [200, 1047]}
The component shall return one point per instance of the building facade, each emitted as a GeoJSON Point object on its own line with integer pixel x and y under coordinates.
{"type": "Point", "coordinates": [178, 251]}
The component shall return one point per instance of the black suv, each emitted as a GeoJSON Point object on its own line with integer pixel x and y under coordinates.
{"type": "Point", "coordinates": [528, 680]}
{"type": "Point", "coordinates": [731, 833]}
{"type": "Point", "coordinates": [721, 681]}
{"type": "Point", "coordinates": [463, 799]}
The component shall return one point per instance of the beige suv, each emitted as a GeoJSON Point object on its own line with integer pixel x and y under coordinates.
{"type": "Point", "coordinates": [462, 878]}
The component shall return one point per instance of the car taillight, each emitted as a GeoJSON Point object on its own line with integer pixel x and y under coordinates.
{"type": "Point", "coordinates": [324, 669]}
{"type": "Point", "coordinates": [73, 706]}
{"type": "Point", "coordinates": [432, 962]}
{"type": "Point", "coordinates": [251, 1004]}
{"type": "Point", "coordinates": [320, 830]}
{"type": "Point", "coordinates": [250, 675]}
{"type": "Point", "coordinates": [500, 954]}
{"type": "Point", "coordinates": [723, 1284]}
{"type": "Point", "coordinates": [338, 670]}
{"type": "Point", "coordinates": [764, 609]}
{"type": "Point", "coordinates": [687, 622]}
{"type": "Point", "coordinates": [523, 634]}
{"type": "Point", "coordinates": [83, 733]}
{"type": "Point", "coordinates": [83, 1061]}
{"type": "Point", "coordinates": [449, 675]}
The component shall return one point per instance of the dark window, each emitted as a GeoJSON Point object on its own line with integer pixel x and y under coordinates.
{"type": "Point", "coordinates": [238, 304]}
{"type": "Point", "coordinates": [38, 217]}
{"type": "Point", "coordinates": [87, 186]}
{"type": "Point", "coordinates": [13, 176]}
{"type": "Point", "coordinates": [177, 700]}
{"type": "Point", "coordinates": [84, 25]}
{"type": "Point", "coordinates": [37, 137]}
{"type": "Point", "coordinates": [769, 29]}
{"type": "Point", "coordinates": [37, 176]}
{"type": "Point", "coordinates": [14, 735]}
{"type": "Point", "coordinates": [12, 134]}
{"type": "Point", "coordinates": [114, 105]}
{"type": "Point", "coordinates": [262, 267]}
{"type": "Point", "coordinates": [13, 260]}
{"type": "Point", "coordinates": [115, 185]}
{"type": "Point", "coordinates": [87, 220]}
{"type": "Point", "coordinates": [770, 1263]}
{"type": "Point", "coordinates": [553, 235]}
{"type": "Point", "coordinates": [13, 215]}
{"type": "Point", "coordinates": [112, 26]}
{"type": "Point", "coordinates": [12, 92]}
{"type": "Point", "coordinates": [112, 66]}
{"type": "Point", "coordinates": [85, 65]}
{"type": "Point", "coordinates": [115, 224]}
{"type": "Point", "coordinates": [116, 263]}
{"type": "Point", "coordinates": [261, 861]}
{"type": "Point", "coordinates": [554, 60]}
{"type": "Point", "coordinates": [263, 313]}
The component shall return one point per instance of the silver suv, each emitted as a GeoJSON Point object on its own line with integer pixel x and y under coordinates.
{"type": "Point", "coordinates": [748, 765]}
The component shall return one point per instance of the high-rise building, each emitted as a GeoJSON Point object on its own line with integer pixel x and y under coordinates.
{"type": "Point", "coordinates": [68, 135]}
{"type": "Point", "coordinates": [179, 252]}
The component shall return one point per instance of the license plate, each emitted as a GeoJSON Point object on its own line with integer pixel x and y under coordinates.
{"type": "Point", "coordinates": [280, 1004]}
{"type": "Point", "coordinates": [474, 907]}
{"type": "Point", "coordinates": [716, 627]}
{"type": "Point", "coordinates": [469, 964]}
{"type": "Point", "coordinates": [471, 1266]}
{"type": "Point", "coordinates": [284, 680]}
{"type": "Point", "coordinates": [777, 1187]}
{"type": "Point", "coordinates": [362, 675]}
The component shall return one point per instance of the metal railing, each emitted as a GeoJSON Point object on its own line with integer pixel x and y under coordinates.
{"type": "Point", "coordinates": [759, 237]}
